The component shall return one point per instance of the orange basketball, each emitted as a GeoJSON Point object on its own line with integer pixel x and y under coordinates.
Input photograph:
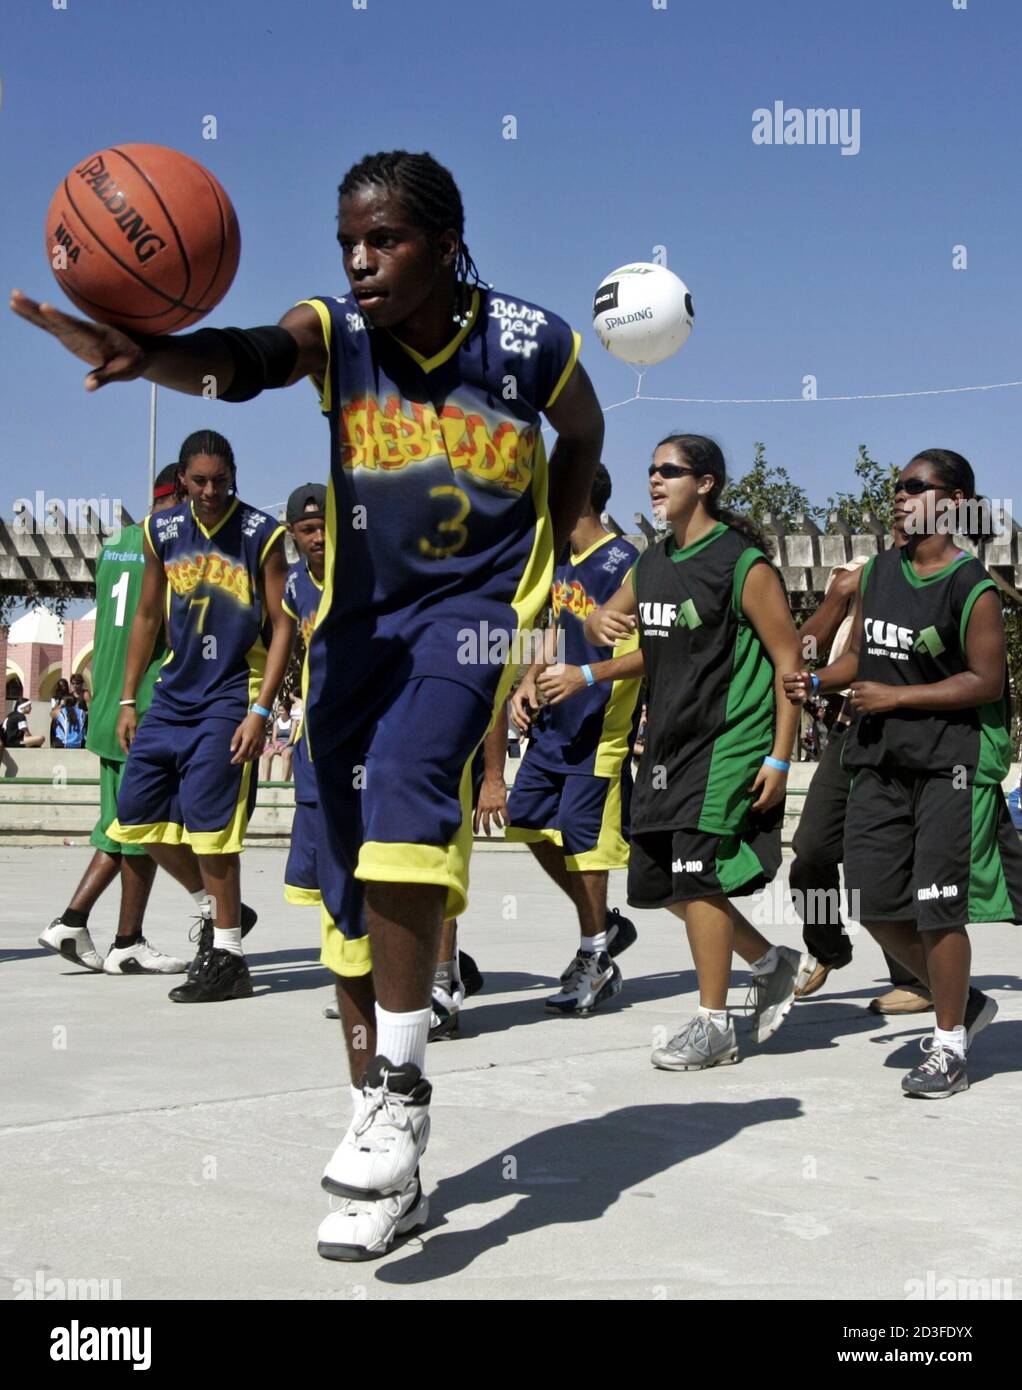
{"type": "Point", "coordinates": [143, 238]}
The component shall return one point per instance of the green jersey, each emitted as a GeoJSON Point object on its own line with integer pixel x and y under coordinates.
{"type": "Point", "coordinates": [119, 572]}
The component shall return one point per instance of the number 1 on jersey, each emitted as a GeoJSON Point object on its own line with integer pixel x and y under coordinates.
{"type": "Point", "coordinates": [120, 593]}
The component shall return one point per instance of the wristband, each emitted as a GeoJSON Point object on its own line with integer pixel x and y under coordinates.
{"type": "Point", "coordinates": [587, 671]}
{"type": "Point", "coordinates": [128, 702]}
{"type": "Point", "coordinates": [258, 709]}
{"type": "Point", "coordinates": [777, 764]}
{"type": "Point", "coordinates": [814, 684]}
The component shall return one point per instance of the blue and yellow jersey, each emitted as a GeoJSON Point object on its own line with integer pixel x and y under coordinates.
{"type": "Point", "coordinates": [215, 609]}
{"type": "Point", "coordinates": [302, 593]}
{"type": "Point", "coordinates": [590, 731]}
{"type": "Point", "coordinates": [437, 518]}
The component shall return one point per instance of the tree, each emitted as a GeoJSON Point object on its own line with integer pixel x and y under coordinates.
{"type": "Point", "coordinates": [766, 488]}
{"type": "Point", "coordinates": [875, 495]}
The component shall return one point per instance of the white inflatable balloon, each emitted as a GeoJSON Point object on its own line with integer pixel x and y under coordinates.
{"type": "Point", "coordinates": [642, 313]}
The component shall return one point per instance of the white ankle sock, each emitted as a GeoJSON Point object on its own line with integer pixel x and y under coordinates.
{"type": "Point", "coordinates": [954, 1038]}
{"type": "Point", "coordinates": [228, 939]}
{"type": "Point", "coordinates": [718, 1017]}
{"type": "Point", "coordinates": [402, 1037]}
{"type": "Point", "coordinates": [596, 942]}
{"type": "Point", "coordinates": [766, 963]}
{"type": "Point", "coordinates": [201, 898]}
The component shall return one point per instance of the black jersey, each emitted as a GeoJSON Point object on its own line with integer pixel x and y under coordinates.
{"type": "Point", "coordinates": [710, 716]}
{"type": "Point", "coordinates": [914, 634]}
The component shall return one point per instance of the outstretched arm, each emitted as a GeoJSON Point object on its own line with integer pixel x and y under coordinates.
{"type": "Point", "coordinates": [206, 362]}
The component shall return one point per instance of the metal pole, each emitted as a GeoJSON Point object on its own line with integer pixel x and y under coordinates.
{"type": "Point", "coordinates": [152, 446]}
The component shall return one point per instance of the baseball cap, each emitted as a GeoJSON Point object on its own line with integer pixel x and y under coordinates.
{"type": "Point", "coordinates": [307, 501]}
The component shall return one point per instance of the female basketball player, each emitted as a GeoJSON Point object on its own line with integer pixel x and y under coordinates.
{"type": "Point", "coordinates": [929, 845]}
{"type": "Point", "coordinates": [708, 803]}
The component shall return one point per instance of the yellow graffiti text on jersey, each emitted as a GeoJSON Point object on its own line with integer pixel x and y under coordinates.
{"type": "Point", "coordinates": [572, 597]}
{"type": "Point", "coordinates": [210, 571]}
{"type": "Point", "coordinates": [381, 436]}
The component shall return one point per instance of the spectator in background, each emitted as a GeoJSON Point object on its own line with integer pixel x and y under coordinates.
{"type": "Point", "coordinates": [60, 693]}
{"type": "Point", "coordinates": [16, 733]}
{"type": "Point", "coordinates": [278, 743]}
{"type": "Point", "coordinates": [69, 725]}
{"type": "Point", "coordinates": [81, 692]}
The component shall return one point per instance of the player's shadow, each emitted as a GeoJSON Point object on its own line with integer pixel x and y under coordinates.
{"type": "Point", "coordinates": [31, 953]}
{"type": "Point", "coordinates": [497, 1017]}
{"type": "Point", "coordinates": [572, 1174]}
{"type": "Point", "coordinates": [298, 969]}
{"type": "Point", "coordinates": [997, 1049]}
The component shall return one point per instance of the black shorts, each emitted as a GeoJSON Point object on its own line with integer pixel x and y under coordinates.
{"type": "Point", "coordinates": [678, 866]}
{"type": "Point", "coordinates": [927, 848]}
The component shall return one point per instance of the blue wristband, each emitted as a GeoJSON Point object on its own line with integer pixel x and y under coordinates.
{"type": "Point", "coordinates": [258, 709]}
{"type": "Point", "coordinates": [777, 764]}
{"type": "Point", "coordinates": [814, 684]}
{"type": "Point", "coordinates": [587, 671]}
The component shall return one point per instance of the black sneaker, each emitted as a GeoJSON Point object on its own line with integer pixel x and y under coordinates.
{"type": "Point", "coordinates": [621, 932]}
{"type": "Point", "coordinates": [979, 1011]}
{"type": "Point", "coordinates": [942, 1074]}
{"type": "Point", "coordinates": [468, 973]}
{"type": "Point", "coordinates": [202, 934]}
{"type": "Point", "coordinates": [220, 975]}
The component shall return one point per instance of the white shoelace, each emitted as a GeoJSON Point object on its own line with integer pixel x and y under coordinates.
{"type": "Point", "coordinates": [939, 1056]}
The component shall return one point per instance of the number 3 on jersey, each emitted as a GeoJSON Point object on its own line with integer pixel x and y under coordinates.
{"type": "Point", "coordinates": [453, 525]}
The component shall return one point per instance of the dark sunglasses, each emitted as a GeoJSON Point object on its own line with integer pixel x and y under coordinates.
{"type": "Point", "coordinates": [672, 470]}
{"type": "Point", "coordinates": [915, 486]}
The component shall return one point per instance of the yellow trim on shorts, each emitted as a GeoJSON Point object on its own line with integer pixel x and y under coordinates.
{"type": "Point", "coordinates": [388, 861]}
{"type": "Point", "coordinates": [161, 832]}
{"type": "Point", "coordinates": [518, 834]}
{"type": "Point", "coordinates": [326, 326]}
{"type": "Point", "coordinates": [338, 953]}
{"type": "Point", "coordinates": [302, 897]}
{"type": "Point", "coordinates": [569, 367]}
{"type": "Point", "coordinates": [610, 850]}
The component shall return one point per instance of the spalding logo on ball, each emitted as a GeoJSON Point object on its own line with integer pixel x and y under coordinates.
{"type": "Point", "coordinates": [143, 238]}
{"type": "Point", "coordinates": [642, 313]}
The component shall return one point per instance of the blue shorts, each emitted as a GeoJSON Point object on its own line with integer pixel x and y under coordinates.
{"type": "Point", "coordinates": [180, 787]}
{"type": "Point", "coordinates": [395, 807]}
{"type": "Point", "coordinates": [301, 877]}
{"type": "Point", "coordinates": [586, 815]}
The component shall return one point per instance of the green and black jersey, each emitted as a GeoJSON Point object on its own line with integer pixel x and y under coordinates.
{"type": "Point", "coordinates": [119, 571]}
{"type": "Point", "coordinates": [914, 634]}
{"type": "Point", "coordinates": [711, 686]}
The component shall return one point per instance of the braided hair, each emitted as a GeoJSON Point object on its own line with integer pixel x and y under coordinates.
{"type": "Point", "coordinates": [213, 445]}
{"type": "Point", "coordinates": [429, 196]}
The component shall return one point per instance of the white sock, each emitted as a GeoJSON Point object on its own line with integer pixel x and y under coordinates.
{"type": "Point", "coordinates": [718, 1017]}
{"type": "Point", "coordinates": [766, 963]}
{"type": "Point", "coordinates": [228, 939]}
{"type": "Point", "coordinates": [356, 1096]}
{"type": "Point", "coordinates": [402, 1037]}
{"type": "Point", "coordinates": [954, 1038]}
{"type": "Point", "coordinates": [201, 898]}
{"type": "Point", "coordinates": [596, 942]}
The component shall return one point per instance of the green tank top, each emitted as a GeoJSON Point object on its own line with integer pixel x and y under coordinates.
{"type": "Point", "coordinates": [119, 571]}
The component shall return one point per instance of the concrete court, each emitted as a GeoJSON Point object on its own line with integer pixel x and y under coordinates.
{"type": "Point", "coordinates": [179, 1149]}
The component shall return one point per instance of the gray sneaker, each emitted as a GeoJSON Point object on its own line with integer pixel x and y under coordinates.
{"type": "Point", "coordinates": [942, 1074]}
{"type": "Point", "coordinates": [775, 993]}
{"type": "Point", "coordinates": [699, 1044]}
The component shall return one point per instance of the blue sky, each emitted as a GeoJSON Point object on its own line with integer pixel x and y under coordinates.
{"type": "Point", "coordinates": [634, 130]}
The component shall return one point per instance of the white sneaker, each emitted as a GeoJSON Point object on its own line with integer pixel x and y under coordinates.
{"type": "Point", "coordinates": [141, 959]}
{"type": "Point", "coordinates": [366, 1230]}
{"type": "Point", "coordinates": [73, 943]}
{"type": "Point", "coordinates": [590, 981]}
{"type": "Point", "coordinates": [446, 1006]}
{"type": "Point", "coordinates": [380, 1152]}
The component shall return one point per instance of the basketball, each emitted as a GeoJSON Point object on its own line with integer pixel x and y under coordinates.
{"type": "Point", "coordinates": [642, 313]}
{"type": "Point", "coordinates": [143, 238]}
